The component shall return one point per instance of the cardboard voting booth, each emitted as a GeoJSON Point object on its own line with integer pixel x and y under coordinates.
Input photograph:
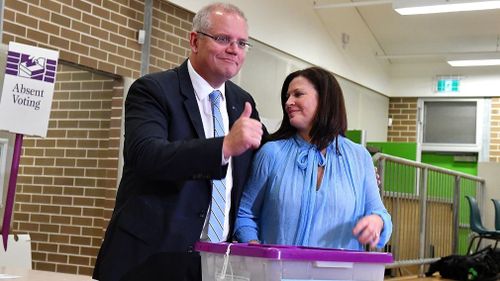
{"type": "Point", "coordinates": [19, 253]}
{"type": "Point", "coordinates": [251, 262]}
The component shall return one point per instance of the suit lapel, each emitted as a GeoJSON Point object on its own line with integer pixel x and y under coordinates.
{"type": "Point", "coordinates": [233, 104]}
{"type": "Point", "coordinates": [190, 103]}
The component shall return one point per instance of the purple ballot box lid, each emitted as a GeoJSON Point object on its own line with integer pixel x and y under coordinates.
{"type": "Point", "coordinates": [280, 252]}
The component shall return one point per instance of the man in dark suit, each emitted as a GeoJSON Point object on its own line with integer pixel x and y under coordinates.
{"type": "Point", "coordinates": [171, 157]}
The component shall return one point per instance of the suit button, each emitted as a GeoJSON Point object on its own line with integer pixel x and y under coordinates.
{"type": "Point", "coordinates": [202, 214]}
{"type": "Point", "coordinates": [190, 249]}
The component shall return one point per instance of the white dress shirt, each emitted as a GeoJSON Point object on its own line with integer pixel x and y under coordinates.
{"type": "Point", "coordinates": [202, 89]}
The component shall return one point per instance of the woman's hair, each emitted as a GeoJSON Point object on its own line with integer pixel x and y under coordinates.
{"type": "Point", "coordinates": [202, 21]}
{"type": "Point", "coordinates": [331, 118]}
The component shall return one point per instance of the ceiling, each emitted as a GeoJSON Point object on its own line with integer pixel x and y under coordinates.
{"type": "Point", "coordinates": [433, 37]}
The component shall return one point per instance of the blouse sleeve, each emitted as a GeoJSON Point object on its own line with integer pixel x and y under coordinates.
{"type": "Point", "coordinates": [374, 204]}
{"type": "Point", "coordinates": [247, 220]}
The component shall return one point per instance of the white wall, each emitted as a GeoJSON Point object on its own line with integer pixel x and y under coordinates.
{"type": "Point", "coordinates": [418, 80]}
{"type": "Point", "coordinates": [489, 171]}
{"type": "Point", "coordinates": [293, 27]}
{"type": "Point", "coordinates": [366, 110]}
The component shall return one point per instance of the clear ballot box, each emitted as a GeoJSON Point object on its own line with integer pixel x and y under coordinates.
{"type": "Point", "coordinates": [251, 262]}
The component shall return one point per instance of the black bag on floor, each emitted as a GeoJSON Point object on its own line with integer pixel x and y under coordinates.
{"type": "Point", "coordinates": [479, 266]}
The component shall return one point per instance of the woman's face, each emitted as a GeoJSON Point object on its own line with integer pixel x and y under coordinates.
{"type": "Point", "coordinates": [301, 105]}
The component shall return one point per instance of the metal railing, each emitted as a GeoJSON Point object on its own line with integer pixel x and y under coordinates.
{"type": "Point", "coordinates": [429, 211]}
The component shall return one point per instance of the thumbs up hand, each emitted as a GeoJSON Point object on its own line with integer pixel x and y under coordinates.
{"type": "Point", "coordinates": [247, 111]}
{"type": "Point", "coordinates": [246, 133]}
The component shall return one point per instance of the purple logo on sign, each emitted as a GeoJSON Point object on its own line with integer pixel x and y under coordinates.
{"type": "Point", "coordinates": [24, 65]}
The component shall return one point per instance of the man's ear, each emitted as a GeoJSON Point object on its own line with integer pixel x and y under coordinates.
{"type": "Point", "coordinates": [193, 41]}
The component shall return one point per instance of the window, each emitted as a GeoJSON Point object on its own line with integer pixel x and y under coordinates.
{"type": "Point", "coordinates": [451, 124]}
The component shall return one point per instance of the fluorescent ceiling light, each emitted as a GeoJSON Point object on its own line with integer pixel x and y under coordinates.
{"type": "Point", "coordinates": [485, 62]}
{"type": "Point", "coordinates": [413, 7]}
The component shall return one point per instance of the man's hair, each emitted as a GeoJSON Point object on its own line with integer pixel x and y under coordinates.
{"type": "Point", "coordinates": [331, 117]}
{"type": "Point", "coordinates": [201, 21]}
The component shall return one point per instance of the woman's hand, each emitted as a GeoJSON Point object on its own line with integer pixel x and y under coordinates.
{"type": "Point", "coordinates": [368, 230]}
{"type": "Point", "coordinates": [254, 242]}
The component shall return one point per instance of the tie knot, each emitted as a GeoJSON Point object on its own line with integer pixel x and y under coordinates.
{"type": "Point", "coordinates": [215, 97]}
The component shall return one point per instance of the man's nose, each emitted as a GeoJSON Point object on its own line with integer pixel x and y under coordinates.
{"type": "Point", "coordinates": [233, 46]}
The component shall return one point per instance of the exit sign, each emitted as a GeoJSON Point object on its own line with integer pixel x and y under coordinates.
{"type": "Point", "coordinates": [448, 85]}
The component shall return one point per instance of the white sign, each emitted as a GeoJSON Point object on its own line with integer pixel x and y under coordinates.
{"type": "Point", "coordinates": [28, 87]}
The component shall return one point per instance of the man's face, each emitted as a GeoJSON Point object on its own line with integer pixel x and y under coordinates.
{"type": "Point", "coordinates": [214, 61]}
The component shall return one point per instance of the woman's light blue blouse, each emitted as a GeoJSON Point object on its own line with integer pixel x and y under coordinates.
{"type": "Point", "coordinates": [281, 205]}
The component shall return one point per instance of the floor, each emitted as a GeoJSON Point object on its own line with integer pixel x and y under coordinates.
{"type": "Point", "coordinates": [416, 278]}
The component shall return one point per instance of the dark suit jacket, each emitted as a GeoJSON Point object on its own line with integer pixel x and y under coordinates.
{"type": "Point", "coordinates": [165, 190]}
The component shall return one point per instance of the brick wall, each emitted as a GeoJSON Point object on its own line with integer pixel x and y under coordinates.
{"type": "Point", "coordinates": [403, 112]}
{"type": "Point", "coordinates": [100, 34]}
{"type": "Point", "coordinates": [495, 130]}
{"type": "Point", "coordinates": [169, 36]}
{"type": "Point", "coordinates": [63, 177]}
{"type": "Point", "coordinates": [67, 181]}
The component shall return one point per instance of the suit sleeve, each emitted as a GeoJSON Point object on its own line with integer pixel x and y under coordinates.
{"type": "Point", "coordinates": [160, 141]}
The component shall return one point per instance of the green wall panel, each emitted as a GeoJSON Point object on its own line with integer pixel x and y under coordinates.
{"type": "Point", "coordinates": [355, 135]}
{"type": "Point", "coordinates": [447, 161]}
{"type": "Point", "coordinates": [407, 150]}
{"type": "Point", "coordinates": [403, 179]}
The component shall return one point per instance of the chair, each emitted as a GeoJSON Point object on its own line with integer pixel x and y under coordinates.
{"type": "Point", "coordinates": [496, 202]}
{"type": "Point", "coordinates": [476, 226]}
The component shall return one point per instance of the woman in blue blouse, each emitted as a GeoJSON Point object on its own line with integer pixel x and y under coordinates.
{"type": "Point", "coordinates": [309, 185]}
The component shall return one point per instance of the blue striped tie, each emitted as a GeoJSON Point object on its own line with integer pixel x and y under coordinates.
{"type": "Point", "coordinates": [216, 221]}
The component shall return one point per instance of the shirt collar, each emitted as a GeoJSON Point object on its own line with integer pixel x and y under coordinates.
{"type": "Point", "coordinates": [201, 87]}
